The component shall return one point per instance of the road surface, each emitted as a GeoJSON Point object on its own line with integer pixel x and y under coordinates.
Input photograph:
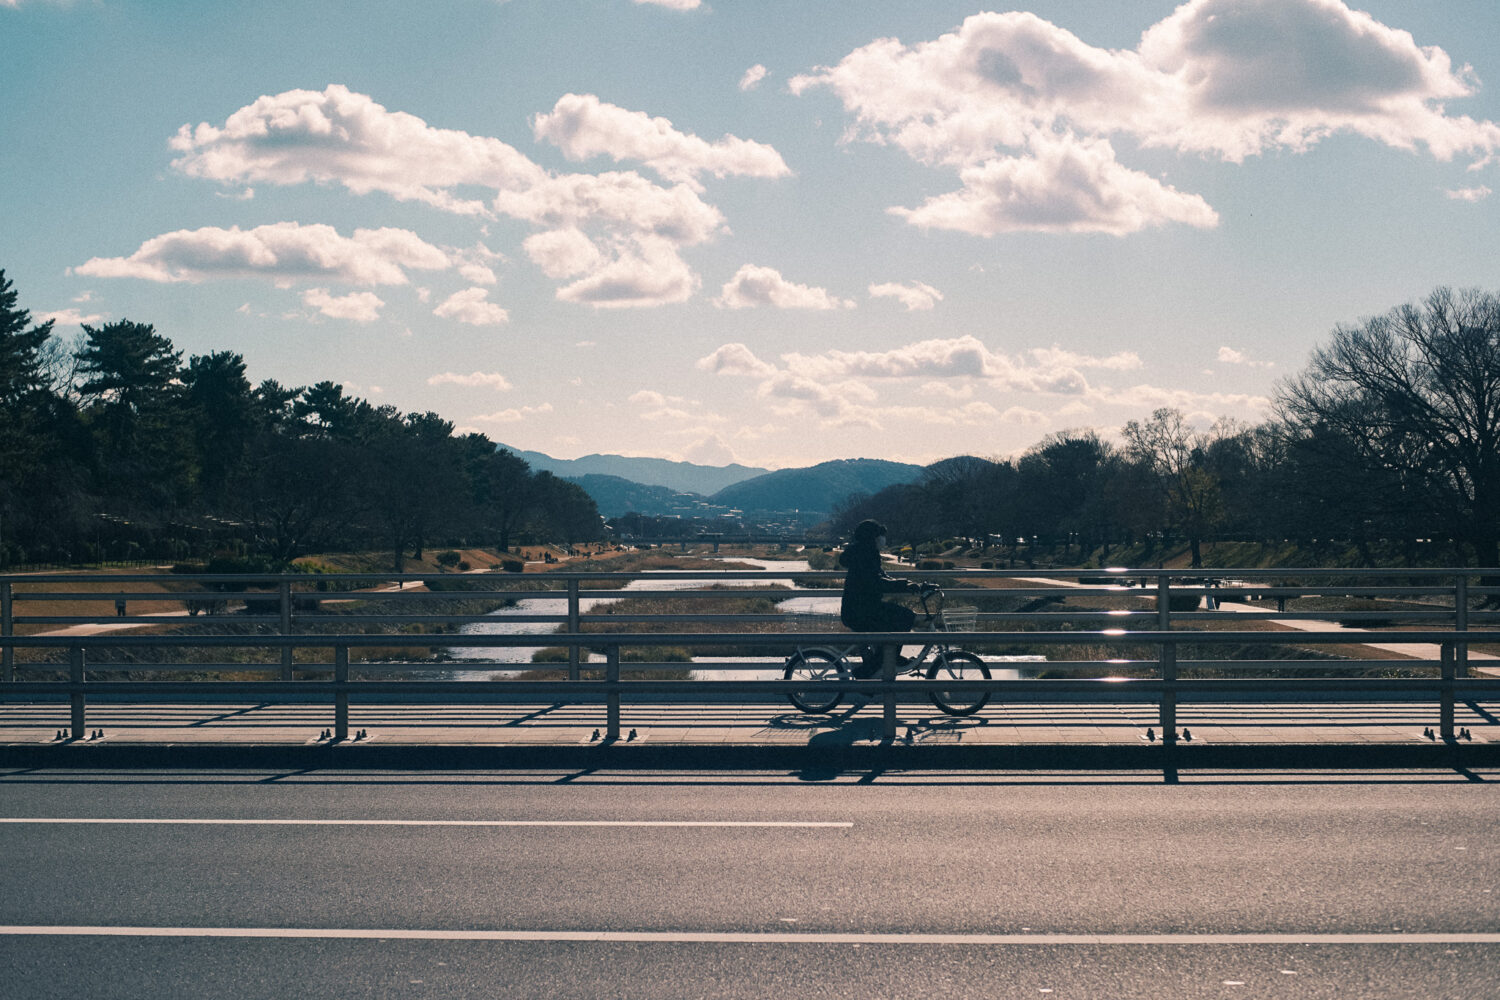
{"type": "Point", "coordinates": [580, 884]}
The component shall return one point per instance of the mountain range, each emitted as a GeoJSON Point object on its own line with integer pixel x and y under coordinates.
{"type": "Point", "coordinates": [620, 484]}
{"type": "Point", "coordinates": [685, 477]}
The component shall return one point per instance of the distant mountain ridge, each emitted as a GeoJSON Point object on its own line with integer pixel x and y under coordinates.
{"type": "Point", "coordinates": [684, 477]}
{"type": "Point", "coordinates": [821, 487]}
{"type": "Point", "coordinates": [660, 487]}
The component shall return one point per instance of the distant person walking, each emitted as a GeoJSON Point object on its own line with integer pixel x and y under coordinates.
{"type": "Point", "coordinates": [866, 583]}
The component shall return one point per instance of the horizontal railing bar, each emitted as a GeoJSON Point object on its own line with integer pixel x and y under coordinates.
{"type": "Point", "coordinates": [1204, 573]}
{"type": "Point", "coordinates": [267, 690]}
{"type": "Point", "coordinates": [1108, 636]}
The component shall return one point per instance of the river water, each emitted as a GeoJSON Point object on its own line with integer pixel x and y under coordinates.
{"type": "Point", "coordinates": [499, 622]}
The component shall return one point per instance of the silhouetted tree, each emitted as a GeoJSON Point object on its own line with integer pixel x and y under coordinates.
{"type": "Point", "coordinates": [1416, 393]}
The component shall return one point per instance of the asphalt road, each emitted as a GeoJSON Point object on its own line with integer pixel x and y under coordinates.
{"type": "Point", "coordinates": [564, 884]}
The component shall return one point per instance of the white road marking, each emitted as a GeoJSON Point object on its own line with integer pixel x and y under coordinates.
{"type": "Point", "coordinates": [144, 821]}
{"type": "Point", "coordinates": [744, 937]}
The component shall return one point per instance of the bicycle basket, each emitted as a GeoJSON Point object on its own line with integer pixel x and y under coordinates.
{"type": "Point", "coordinates": [812, 621]}
{"type": "Point", "coordinates": [960, 618]}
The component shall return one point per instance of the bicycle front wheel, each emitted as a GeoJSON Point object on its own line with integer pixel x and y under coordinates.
{"type": "Point", "coordinates": [823, 669]}
{"type": "Point", "coordinates": [957, 665]}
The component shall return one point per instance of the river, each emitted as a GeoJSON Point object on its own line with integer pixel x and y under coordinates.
{"type": "Point", "coordinates": [779, 571]}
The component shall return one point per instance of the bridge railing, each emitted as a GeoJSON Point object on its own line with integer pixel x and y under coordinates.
{"type": "Point", "coordinates": [1172, 610]}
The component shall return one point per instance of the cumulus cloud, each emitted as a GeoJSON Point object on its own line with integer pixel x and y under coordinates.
{"type": "Point", "coordinates": [1229, 356]}
{"type": "Point", "coordinates": [69, 317]}
{"type": "Point", "coordinates": [1469, 194]}
{"type": "Point", "coordinates": [582, 126]}
{"type": "Point", "coordinates": [338, 136]}
{"type": "Point", "coordinates": [1065, 185]}
{"type": "Point", "coordinates": [617, 234]}
{"type": "Point", "coordinates": [476, 379]}
{"type": "Point", "coordinates": [1023, 416]}
{"type": "Point", "coordinates": [361, 307]}
{"type": "Point", "coordinates": [512, 416]}
{"type": "Point", "coordinates": [1023, 110]}
{"type": "Point", "coordinates": [754, 286]}
{"type": "Point", "coordinates": [753, 77]}
{"type": "Point", "coordinates": [674, 4]}
{"type": "Point", "coordinates": [635, 261]}
{"type": "Point", "coordinates": [735, 359]}
{"type": "Point", "coordinates": [914, 296]}
{"type": "Point", "coordinates": [472, 306]}
{"type": "Point", "coordinates": [711, 450]}
{"type": "Point", "coordinates": [284, 252]}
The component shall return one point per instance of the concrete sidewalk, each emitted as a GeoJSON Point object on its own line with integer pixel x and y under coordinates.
{"type": "Point", "coordinates": [555, 726]}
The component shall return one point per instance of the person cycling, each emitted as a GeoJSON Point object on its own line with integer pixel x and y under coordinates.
{"type": "Point", "coordinates": [866, 582]}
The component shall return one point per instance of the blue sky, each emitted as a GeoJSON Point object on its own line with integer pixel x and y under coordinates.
{"type": "Point", "coordinates": [776, 232]}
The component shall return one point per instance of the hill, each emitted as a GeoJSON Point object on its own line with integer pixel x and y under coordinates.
{"type": "Point", "coordinates": [819, 488]}
{"type": "Point", "coordinates": [683, 477]}
{"type": "Point", "coordinates": [615, 496]}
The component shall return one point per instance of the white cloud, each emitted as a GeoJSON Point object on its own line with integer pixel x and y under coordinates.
{"type": "Point", "coordinates": [753, 77]}
{"type": "Point", "coordinates": [635, 261]}
{"type": "Point", "coordinates": [754, 286]}
{"type": "Point", "coordinates": [492, 380]}
{"type": "Point", "coordinates": [633, 228]}
{"type": "Point", "coordinates": [514, 415]}
{"type": "Point", "coordinates": [284, 252]}
{"type": "Point", "coordinates": [361, 307]}
{"type": "Point", "coordinates": [472, 306]}
{"type": "Point", "coordinates": [1023, 416]}
{"type": "Point", "coordinates": [582, 126]}
{"type": "Point", "coordinates": [735, 359]}
{"type": "Point", "coordinates": [1023, 110]}
{"type": "Point", "coordinates": [674, 4]}
{"type": "Point", "coordinates": [1056, 356]}
{"type": "Point", "coordinates": [914, 296]}
{"type": "Point", "coordinates": [1065, 185]}
{"type": "Point", "coordinates": [1144, 398]}
{"type": "Point", "coordinates": [476, 274]}
{"type": "Point", "coordinates": [338, 136]}
{"type": "Point", "coordinates": [1229, 356]}
{"type": "Point", "coordinates": [1470, 194]}
{"type": "Point", "coordinates": [711, 450]}
{"type": "Point", "coordinates": [68, 317]}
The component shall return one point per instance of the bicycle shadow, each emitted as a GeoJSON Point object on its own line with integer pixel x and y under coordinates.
{"type": "Point", "coordinates": [844, 729]}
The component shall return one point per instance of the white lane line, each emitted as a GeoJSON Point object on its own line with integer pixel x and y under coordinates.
{"type": "Point", "coordinates": [739, 937]}
{"type": "Point", "coordinates": [144, 821]}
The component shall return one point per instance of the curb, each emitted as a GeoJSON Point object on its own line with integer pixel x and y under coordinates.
{"type": "Point", "coordinates": [711, 757]}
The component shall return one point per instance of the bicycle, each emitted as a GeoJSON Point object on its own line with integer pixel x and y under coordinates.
{"type": "Point", "coordinates": [830, 665]}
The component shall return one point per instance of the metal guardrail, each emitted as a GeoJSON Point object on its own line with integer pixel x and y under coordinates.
{"type": "Point", "coordinates": [294, 600]}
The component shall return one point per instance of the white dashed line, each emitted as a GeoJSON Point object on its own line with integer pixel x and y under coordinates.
{"type": "Point", "coordinates": [142, 821]}
{"type": "Point", "coordinates": [734, 937]}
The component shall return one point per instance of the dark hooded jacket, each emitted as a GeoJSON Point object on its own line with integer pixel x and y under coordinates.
{"type": "Point", "coordinates": [866, 582]}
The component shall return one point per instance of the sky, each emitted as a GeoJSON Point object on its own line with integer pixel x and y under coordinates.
{"type": "Point", "coordinates": [775, 232]}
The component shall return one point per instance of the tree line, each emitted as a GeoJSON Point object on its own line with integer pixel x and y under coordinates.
{"type": "Point", "coordinates": [1387, 443]}
{"type": "Point", "coordinates": [111, 447]}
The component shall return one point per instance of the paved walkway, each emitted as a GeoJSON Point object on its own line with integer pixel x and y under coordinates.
{"type": "Point", "coordinates": [546, 724]}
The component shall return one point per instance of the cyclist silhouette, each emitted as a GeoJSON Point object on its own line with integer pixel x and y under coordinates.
{"type": "Point", "coordinates": [866, 582]}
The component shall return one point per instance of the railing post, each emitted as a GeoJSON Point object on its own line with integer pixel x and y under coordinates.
{"type": "Point", "coordinates": [573, 657]}
{"type": "Point", "coordinates": [889, 653]}
{"type": "Point", "coordinates": [75, 697]}
{"type": "Point", "coordinates": [612, 693]}
{"type": "Point", "coordinates": [1461, 624]}
{"type": "Point", "coordinates": [7, 629]}
{"type": "Point", "coordinates": [340, 693]}
{"type": "Point", "coordinates": [286, 628]}
{"type": "Point", "coordinates": [1168, 662]}
{"type": "Point", "coordinates": [1445, 695]}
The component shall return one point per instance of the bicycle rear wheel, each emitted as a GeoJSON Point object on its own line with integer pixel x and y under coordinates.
{"type": "Point", "coordinates": [957, 665]}
{"type": "Point", "coordinates": [821, 668]}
